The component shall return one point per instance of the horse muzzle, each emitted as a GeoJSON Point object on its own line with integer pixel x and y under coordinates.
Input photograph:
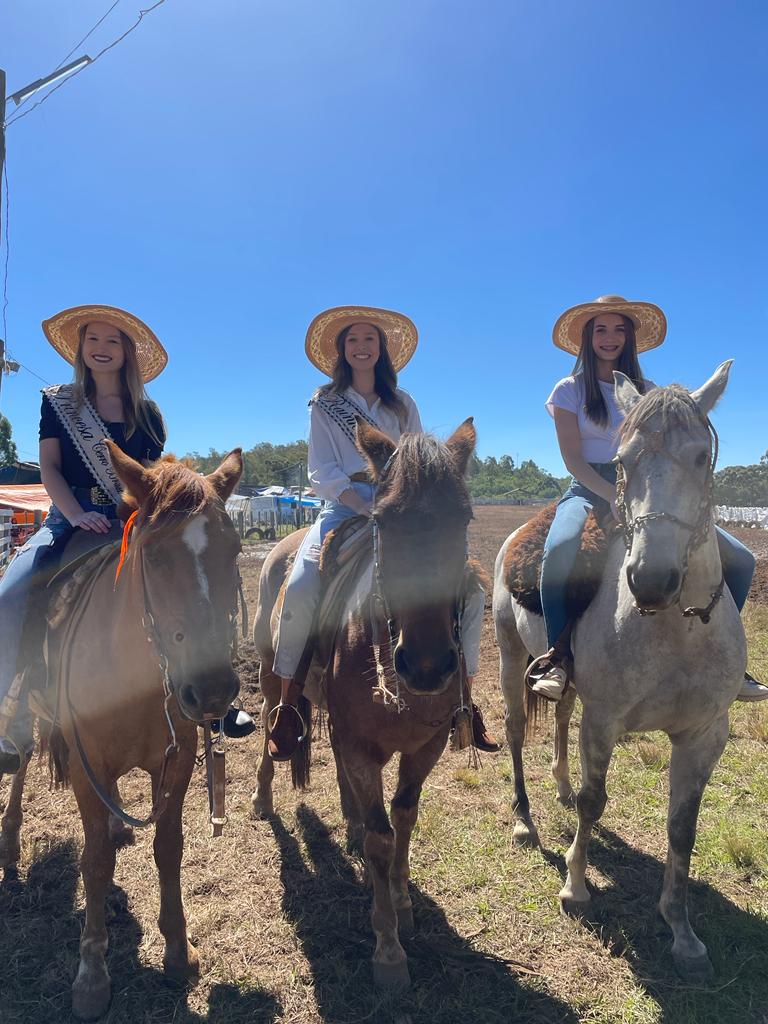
{"type": "Point", "coordinates": [426, 675]}
{"type": "Point", "coordinates": [654, 589]}
{"type": "Point", "coordinates": [205, 698]}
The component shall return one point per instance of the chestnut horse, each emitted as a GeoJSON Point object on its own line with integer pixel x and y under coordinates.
{"type": "Point", "coordinates": [140, 659]}
{"type": "Point", "coordinates": [419, 576]}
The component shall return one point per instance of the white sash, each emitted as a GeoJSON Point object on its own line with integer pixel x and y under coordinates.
{"type": "Point", "coordinates": [88, 432]}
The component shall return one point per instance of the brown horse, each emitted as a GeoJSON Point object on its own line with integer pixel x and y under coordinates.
{"type": "Point", "coordinates": [419, 576]}
{"type": "Point", "coordinates": [139, 659]}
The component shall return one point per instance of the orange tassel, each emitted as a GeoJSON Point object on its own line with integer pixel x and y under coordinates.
{"type": "Point", "coordinates": [129, 525]}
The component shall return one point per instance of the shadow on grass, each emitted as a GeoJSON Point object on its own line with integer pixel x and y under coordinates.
{"type": "Point", "coordinates": [452, 981]}
{"type": "Point", "coordinates": [628, 924]}
{"type": "Point", "coordinates": [40, 929]}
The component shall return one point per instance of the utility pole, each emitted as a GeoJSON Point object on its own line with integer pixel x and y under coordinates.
{"type": "Point", "coordinates": [2, 144]}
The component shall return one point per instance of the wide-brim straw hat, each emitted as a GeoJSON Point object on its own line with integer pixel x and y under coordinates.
{"type": "Point", "coordinates": [650, 322]}
{"type": "Point", "coordinates": [400, 332]}
{"type": "Point", "coordinates": [63, 332]}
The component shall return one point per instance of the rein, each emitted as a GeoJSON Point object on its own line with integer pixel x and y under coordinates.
{"type": "Point", "coordinates": [698, 530]}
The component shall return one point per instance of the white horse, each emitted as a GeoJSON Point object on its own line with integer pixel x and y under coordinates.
{"type": "Point", "coordinates": [661, 646]}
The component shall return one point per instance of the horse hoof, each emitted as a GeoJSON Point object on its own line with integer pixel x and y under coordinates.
{"type": "Point", "coordinates": [91, 1001]}
{"type": "Point", "coordinates": [262, 807]}
{"type": "Point", "coordinates": [579, 909]}
{"type": "Point", "coordinates": [183, 970]}
{"type": "Point", "coordinates": [121, 834]}
{"type": "Point", "coordinates": [567, 800]}
{"type": "Point", "coordinates": [525, 836]}
{"type": "Point", "coordinates": [696, 970]}
{"type": "Point", "coordinates": [406, 928]}
{"type": "Point", "coordinates": [394, 977]}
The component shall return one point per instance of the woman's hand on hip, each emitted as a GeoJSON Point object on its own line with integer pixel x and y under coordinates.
{"type": "Point", "coordinates": [93, 521]}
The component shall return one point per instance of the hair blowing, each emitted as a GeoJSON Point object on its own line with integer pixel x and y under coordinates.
{"type": "Point", "coordinates": [586, 363]}
{"type": "Point", "coordinates": [137, 405]}
{"type": "Point", "coordinates": [384, 376]}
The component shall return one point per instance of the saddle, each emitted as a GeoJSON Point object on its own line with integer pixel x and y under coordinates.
{"type": "Point", "coordinates": [523, 557]}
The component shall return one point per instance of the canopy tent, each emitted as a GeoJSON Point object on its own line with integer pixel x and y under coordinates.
{"type": "Point", "coordinates": [25, 497]}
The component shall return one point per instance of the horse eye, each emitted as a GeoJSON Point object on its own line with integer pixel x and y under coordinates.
{"type": "Point", "coordinates": [701, 459]}
{"type": "Point", "coordinates": [178, 637]}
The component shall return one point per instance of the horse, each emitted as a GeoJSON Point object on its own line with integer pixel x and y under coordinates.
{"type": "Point", "coordinates": [661, 646]}
{"type": "Point", "coordinates": [139, 646]}
{"type": "Point", "coordinates": [401, 623]}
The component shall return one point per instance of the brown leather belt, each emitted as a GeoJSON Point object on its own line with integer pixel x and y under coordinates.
{"type": "Point", "coordinates": [360, 478]}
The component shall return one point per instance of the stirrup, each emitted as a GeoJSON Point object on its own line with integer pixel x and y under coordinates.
{"type": "Point", "coordinates": [296, 711]}
{"type": "Point", "coordinates": [534, 672]}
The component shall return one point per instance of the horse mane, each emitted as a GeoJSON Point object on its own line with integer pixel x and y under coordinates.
{"type": "Point", "coordinates": [674, 404]}
{"type": "Point", "coordinates": [423, 475]}
{"type": "Point", "coordinates": [175, 487]}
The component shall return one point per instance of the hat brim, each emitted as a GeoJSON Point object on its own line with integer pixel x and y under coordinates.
{"type": "Point", "coordinates": [649, 320]}
{"type": "Point", "coordinates": [399, 330]}
{"type": "Point", "coordinates": [63, 332]}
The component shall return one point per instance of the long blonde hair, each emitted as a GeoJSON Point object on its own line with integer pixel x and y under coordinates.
{"type": "Point", "coordinates": [137, 405]}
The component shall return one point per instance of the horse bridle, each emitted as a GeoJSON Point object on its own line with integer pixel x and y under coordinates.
{"type": "Point", "coordinates": [698, 530]}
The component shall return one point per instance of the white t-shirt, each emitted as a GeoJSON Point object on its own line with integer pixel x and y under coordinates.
{"type": "Point", "coordinates": [599, 443]}
{"type": "Point", "coordinates": [333, 457]}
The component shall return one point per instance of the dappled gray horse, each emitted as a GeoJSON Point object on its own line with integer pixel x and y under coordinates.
{"type": "Point", "coordinates": [661, 646]}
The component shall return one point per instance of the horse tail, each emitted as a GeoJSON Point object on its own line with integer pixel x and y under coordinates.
{"type": "Point", "coordinates": [536, 707]}
{"type": "Point", "coordinates": [301, 759]}
{"type": "Point", "coordinates": [54, 745]}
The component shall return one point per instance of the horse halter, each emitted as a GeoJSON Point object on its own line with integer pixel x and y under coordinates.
{"type": "Point", "coordinates": [654, 445]}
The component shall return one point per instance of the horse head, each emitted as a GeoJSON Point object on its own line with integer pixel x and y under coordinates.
{"type": "Point", "coordinates": [421, 513]}
{"type": "Point", "coordinates": [666, 462]}
{"type": "Point", "coordinates": [183, 558]}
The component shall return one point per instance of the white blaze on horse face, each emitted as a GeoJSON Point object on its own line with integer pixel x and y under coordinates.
{"type": "Point", "coordinates": [195, 538]}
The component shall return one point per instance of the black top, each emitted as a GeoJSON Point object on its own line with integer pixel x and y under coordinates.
{"type": "Point", "coordinates": [140, 445]}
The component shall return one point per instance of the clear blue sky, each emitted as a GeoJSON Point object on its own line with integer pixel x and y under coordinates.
{"type": "Point", "coordinates": [232, 168]}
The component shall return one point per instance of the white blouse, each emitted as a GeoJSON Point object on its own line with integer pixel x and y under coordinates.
{"type": "Point", "coordinates": [333, 457]}
{"type": "Point", "coordinates": [599, 442]}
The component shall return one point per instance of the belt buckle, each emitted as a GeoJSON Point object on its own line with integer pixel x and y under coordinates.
{"type": "Point", "coordinates": [100, 497]}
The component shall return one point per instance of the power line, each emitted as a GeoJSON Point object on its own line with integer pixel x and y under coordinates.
{"type": "Point", "coordinates": [142, 15]}
{"type": "Point", "coordinates": [7, 253]}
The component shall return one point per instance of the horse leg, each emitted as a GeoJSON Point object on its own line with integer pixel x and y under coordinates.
{"type": "Point", "coordinates": [414, 768]}
{"type": "Point", "coordinates": [512, 660]}
{"type": "Point", "coordinates": [560, 769]}
{"type": "Point", "coordinates": [693, 759]}
{"type": "Point", "coordinates": [120, 832]}
{"type": "Point", "coordinates": [349, 805]}
{"type": "Point", "coordinates": [262, 803]}
{"type": "Point", "coordinates": [10, 828]}
{"type": "Point", "coordinates": [597, 742]}
{"type": "Point", "coordinates": [91, 989]}
{"type": "Point", "coordinates": [390, 965]}
{"type": "Point", "coordinates": [180, 960]}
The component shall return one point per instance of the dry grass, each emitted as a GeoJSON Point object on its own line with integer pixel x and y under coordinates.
{"type": "Point", "coordinates": [280, 912]}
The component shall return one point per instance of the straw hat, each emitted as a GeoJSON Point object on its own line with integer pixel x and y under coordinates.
{"type": "Point", "coordinates": [63, 332]}
{"type": "Point", "coordinates": [399, 330]}
{"type": "Point", "coordinates": [650, 322]}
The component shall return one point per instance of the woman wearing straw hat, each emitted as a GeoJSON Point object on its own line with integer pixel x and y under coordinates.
{"type": "Point", "coordinates": [361, 349]}
{"type": "Point", "coordinates": [114, 354]}
{"type": "Point", "coordinates": [604, 335]}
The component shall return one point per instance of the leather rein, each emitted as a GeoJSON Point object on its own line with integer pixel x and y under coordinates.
{"type": "Point", "coordinates": [698, 530]}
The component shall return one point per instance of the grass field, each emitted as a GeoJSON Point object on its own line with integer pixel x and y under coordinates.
{"type": "Point", "coordinates": [279, 912]}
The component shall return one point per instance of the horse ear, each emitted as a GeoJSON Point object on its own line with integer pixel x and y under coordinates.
{"type": "Point", "coordinates": [709, 394]}
{"type": "Point", "coordinates": [374, 446]}
{"type": "Point", "coordinates": [224, 479]}
{"type": "Point", "coordinates": [462, 443]}
{"type": "Point", "coordinates": [132, 474]}
{"type": "Point", "coordinates": [627, 395]}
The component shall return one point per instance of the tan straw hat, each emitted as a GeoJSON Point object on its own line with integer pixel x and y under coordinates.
{"type": "Point", "coordinates": [399, 330]}
{"type": "Point", "coordinates": [650, 322]}
{"type": "Point", "coordinates": [63, 332]}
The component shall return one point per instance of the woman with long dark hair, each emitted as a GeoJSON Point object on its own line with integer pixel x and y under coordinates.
{"type": "Point", "coordinates": [605, 335]}
{"type": "Point", "coordinates": [361, 349]}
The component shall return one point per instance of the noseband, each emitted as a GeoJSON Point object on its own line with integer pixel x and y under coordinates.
{"type": "Point", "coordinates": [654, 445]}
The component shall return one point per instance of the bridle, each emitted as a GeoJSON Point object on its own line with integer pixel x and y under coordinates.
{"type": "Point", "coordinates": [698, 530]}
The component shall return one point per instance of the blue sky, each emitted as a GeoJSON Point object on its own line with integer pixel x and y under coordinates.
{"type": "Point", "coordinates": [232, 168]}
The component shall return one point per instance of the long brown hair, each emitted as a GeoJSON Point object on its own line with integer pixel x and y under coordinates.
{"type": "Point", "coordinates": [586, 364]}
{"type": "Point", "coordinates": [384, 376]}
{"type": "Point", "coordinates": [138, 408]}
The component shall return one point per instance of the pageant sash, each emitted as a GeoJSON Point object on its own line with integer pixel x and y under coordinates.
{"type": "Point", "coordinates": [344, 412]}
{"type": "Point", "coordinates": [87, 431]}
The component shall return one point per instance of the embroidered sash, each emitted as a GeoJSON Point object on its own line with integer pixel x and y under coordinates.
{"type": "Point", "coordinates": [87, 431]}
{"type": "Point", "coordinates": [343, 411]}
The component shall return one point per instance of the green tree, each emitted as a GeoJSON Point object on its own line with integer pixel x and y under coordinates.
{"type": "Point", "coordinates": [264, 464]}
{"type": "Point", "coordinates": [8, 453]}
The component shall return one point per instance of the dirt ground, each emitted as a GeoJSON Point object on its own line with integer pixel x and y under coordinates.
{"type": "Point", "coordinates": [280, 914]}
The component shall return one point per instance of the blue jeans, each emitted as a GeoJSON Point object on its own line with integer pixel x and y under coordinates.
{"type": "Point", "coordinates": [564, 540]}
{"type": "Point", "coordinates": [23, 584]}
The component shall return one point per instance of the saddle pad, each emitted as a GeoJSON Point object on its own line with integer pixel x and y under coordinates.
{"type": "Point", "coordinates": [522, 563]}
